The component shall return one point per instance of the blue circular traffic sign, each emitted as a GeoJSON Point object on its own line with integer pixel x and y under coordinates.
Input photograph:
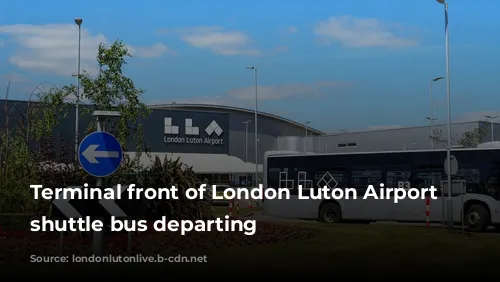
{"type": "Point", "coordinates": [100, 154]}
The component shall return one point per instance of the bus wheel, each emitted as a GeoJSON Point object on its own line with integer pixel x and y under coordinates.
{"type": "Point", "coordinates": [330, 213]}
{"type": "Point", "coordinates": [477, 218]}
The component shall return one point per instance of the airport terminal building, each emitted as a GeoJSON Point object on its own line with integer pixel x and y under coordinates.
{"type": "Point", "coordinates": [408, 138]}
{"type": "Point", "coordinates": [219, 141]}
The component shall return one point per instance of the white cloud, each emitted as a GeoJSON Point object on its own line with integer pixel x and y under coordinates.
{"type": "Point", "coordinates": [478, 116]}
{"type": "Point", "coordinates": [54, 47]}
{"type": "Point", "coordinates": [383, 127]}
{"type": "Point", "coordinates": [217, 40]}
{"type": "Point", "coordinates": [359, 32]}
{"type": "Point", "coordinates": [280, 49]}
{"type": "Point", "coordinates": [284, 91]}
{"type": "Point", "coordinates": [150, 52]}
{"type": "Point", "coordinates": [15, 78]}
{"type": "Point", "coordinates": [276, 50]}
{"type": "Point", "coordinates": [244, 97]}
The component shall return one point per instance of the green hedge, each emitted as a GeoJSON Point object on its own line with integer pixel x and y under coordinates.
{"type": "Point", "coordinates": [15, 220]}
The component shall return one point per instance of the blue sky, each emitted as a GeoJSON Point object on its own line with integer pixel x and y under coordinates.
{"type": "Point", "coordinates": [340, 64]}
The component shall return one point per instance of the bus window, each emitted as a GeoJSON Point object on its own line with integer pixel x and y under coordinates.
{"type": "Point", "coordinates": [361, 178]}
{"type": "Point", "coordinates": [396, 177]}
{"type": "Point", "coordinates": [273, 178]}
{"type": "Point", "coordinates": [303, 180]}
{"type": "Point", "coordinates": [425, 178]}
{"type": "Point", "coordinates": [493, 182]}
{"type": "Point", "coordinates": [492, 187]}
{"type": "Point", "coordinates": [472, 176]}
{"type": "Point", "coordinates": [286, 180]}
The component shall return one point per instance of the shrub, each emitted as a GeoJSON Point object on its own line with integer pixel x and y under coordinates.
{"type": "Point", "coordinates": [167, 174]}
{"type": "Point", "coordinates": [51, 167]}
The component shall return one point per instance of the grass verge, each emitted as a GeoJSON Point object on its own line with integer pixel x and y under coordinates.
{"type": "Point", "coordinates": [344, 249]}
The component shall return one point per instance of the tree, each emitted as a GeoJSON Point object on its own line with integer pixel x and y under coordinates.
{"type": "Point", "coordinates": [20, 166]}
{"type": "Point", "coordinates": [47, 113]}
{"type": "Point", "coordinates": [111, 90]}
{"type": "Point", "coordinates": [49, 165]}
{"type": "Point", "coordinates": [469, 139]}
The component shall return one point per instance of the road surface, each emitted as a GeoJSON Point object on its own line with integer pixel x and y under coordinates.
{"type": "Point", "coordinates": [259, 216]}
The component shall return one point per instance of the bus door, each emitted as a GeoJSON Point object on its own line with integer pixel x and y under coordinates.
{"type": "Point", "coordinates": [305, 208]}
{"type": "Point", "coordinates": [398, 177]}
{"type": "Point", "coordinates": [369, 208]}
{"type": "Point", "coordinates": [425, 177]}
{"type": "Point", "coordinates": [470, 175]}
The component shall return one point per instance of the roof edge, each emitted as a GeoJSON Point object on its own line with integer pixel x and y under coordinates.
{"type": "Point", "coordinates": [158, 106]}
{"type": "Point", "coordinates": [233, 108]}
{"type": "Point", "coordinates": [401, 128]}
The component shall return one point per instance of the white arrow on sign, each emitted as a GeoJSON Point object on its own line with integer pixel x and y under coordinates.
{"type": "Point", "coordinates": [65, 207]}
{"type": "Point", "coordinates": [91, 154]}
{"type": "Point", "coordinates": [111, 206]}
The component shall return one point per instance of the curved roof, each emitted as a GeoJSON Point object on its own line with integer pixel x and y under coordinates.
{"type": "Point", "coordinates": [236, 109]}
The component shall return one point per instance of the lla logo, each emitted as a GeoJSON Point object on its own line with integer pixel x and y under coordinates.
{"type": "Point", "coordinates": [212, 128]}
{"type": "Point", "coordinates": [192, 133]}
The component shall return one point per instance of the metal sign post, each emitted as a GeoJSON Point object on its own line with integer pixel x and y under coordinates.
{"type": "Point", "coordinates": [463, 190]}
{"type": "Point", "coordinates": [61, 243]}
{"type": "Point", "coordinates": [100, 155]}
{"type": "Point", "coordinates": [67, 210]}
{"type": "Point", "coordinates": [451, 168]}
{"type": "Point", "coordinates": [457, 187]}
{"type": "Point", "coordinates": [113, 209]}
{"type": "Point", "coordinates": [70, 211]}
{"type": "Point", "coordinates": [443, 213]}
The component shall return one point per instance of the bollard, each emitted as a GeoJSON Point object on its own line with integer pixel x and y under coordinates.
{"type": "Point", "coordinates": [427, 211]}
{"type": "Point", "coordinates": [237, 207]}
{"type": "Point", "coordinates": [129, 243]}
{"type": "Point", "coordinates": [230, 207]}
{"type": "Point", "coordinates": [61, 243]}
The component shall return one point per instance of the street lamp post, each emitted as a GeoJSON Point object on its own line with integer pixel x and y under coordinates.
{"type": "Point", "coordinates": [246, 139]}
{"type": "Point", "coordinates": [305, 139]}
{"type": "Point", "coordinates": [78, 22]}
{"type": "Point", "coordinates": [491, 119]}
{"type": "Point", "coordinates": [256, 128]}
{"type": "Point", "coordinates": [432, 119]}
{"type": "Point", "coordinates": [448, 151]}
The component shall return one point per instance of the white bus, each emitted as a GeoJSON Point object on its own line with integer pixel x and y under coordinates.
{"type": "Point", "coordinates": [478, 174]}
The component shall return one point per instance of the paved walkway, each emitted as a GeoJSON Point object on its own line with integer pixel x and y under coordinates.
{"type": "Point", "coordinates": [259, 216]}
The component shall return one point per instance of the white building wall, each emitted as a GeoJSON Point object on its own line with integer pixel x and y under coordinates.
{"type": "Point", "coordinates": [411, 138]}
